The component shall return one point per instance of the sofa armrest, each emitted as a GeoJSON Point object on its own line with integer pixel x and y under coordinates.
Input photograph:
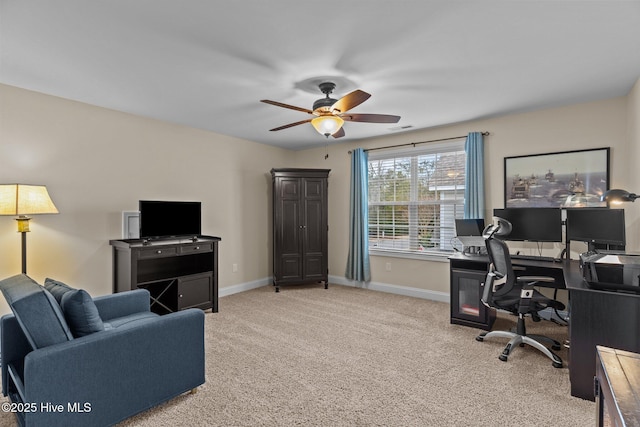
{"type": "Point", "coordinates": [14, 345]}
{"type": "Point", "coordinates": [122, 304]}
{"type": "Point", "coordinates": [117, 372]}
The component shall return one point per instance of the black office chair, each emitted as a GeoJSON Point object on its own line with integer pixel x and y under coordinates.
{"type": "Point", "coordinates": [504, 290]}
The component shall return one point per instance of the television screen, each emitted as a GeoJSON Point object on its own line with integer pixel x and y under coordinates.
{"type": "Point", "coordinates": [533, 224]}
{"type": "Point", "coordinates": [168, 219]}
{"type": "Point", "coordinates": [602, 225]}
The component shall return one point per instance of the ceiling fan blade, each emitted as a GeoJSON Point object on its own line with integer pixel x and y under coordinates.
{"type": "Point", "coordinates": [291, 107]}
{"type": "Point", "coordinates": [349, 101]}
{"type": "Point", "coordinates": [370, 118]}
{"type": "Point", "coordinates": [339, 133]}
{"type": "Point", "coordinates": [290, 125]}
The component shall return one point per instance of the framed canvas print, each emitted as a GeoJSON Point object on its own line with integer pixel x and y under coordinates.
{"type": "Point", "coordinates": [568, 179]}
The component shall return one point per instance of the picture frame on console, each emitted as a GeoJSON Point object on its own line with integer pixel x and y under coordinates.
{"type": "Point", "coordinates": [566, 179]}
{"type": "Point", "coordinates": [130, 224]}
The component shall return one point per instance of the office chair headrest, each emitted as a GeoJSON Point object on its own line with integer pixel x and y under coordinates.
{"type": "Point", "coordinates": [499, 228]}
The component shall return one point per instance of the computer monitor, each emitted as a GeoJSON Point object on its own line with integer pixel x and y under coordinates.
{"type": "Point", "coordinates": [533, 224]}
{"type": "Point", "coordinates": [469, 232]}
{"type": "Point", "coordinates": [596, 226]}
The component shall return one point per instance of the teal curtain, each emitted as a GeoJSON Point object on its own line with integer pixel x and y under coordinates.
{"type": "Point", "coordinates": [358, 267]}
{"type": "Point", "coordinates": [474, 176]}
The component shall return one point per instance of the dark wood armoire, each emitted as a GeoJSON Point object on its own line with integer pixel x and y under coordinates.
{"type": "Point", "coordinates": [300, 226]}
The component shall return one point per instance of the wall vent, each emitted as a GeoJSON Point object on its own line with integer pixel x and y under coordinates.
{"type": "Point", "coordinates": [397, 128]}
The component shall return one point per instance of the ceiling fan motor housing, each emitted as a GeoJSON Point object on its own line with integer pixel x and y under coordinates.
{"type": "Point", "coordinates": [325, 103]}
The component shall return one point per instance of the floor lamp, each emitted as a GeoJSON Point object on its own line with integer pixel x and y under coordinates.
{"type": "Point", "coordinates": [23, 200]}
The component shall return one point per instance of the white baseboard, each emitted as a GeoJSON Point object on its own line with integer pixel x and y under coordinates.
{"type": "Point", "coordinates": [392, 289]}
{"type": "Point", "coordinates": [242, 287]}
{"type": "Point", "coordinates": [338, 280]}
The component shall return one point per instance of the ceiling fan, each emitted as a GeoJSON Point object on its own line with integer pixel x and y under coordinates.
{"type": "Point", "coordinates": [332, 113]}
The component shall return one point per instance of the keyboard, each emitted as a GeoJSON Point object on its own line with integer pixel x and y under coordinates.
{"type": "Point", "coordinates": [535, 258]}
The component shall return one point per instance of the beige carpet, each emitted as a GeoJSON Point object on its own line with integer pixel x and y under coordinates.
{"type": "Point", "coordinates": [352, 357]}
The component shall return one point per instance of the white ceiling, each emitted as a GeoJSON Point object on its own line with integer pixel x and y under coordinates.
{"type": "Point", "coordinates": [207, 63]}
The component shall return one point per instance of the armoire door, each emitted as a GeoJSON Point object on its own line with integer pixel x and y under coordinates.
{"type": "Point", "coordinates": [314, 229]}
{"type": "Point", "coordinates": [289, 226]}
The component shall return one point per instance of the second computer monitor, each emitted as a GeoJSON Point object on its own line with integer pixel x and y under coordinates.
{"type": "Point", "coordinates": [533, 224]}
{"type": "Point", "coordinates": [598, 225]}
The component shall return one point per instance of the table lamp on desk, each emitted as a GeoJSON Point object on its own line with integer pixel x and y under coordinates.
{"type": "Point", "coordinates": [617, 196]}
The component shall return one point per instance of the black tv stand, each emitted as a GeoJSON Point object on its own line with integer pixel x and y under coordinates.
{"type": "Point", "coordinates": [179, 272]}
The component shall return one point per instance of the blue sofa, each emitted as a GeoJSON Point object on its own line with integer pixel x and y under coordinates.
{"type": "Point", "coordinates": [134, 361]}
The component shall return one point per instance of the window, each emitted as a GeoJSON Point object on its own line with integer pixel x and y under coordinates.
{"type": "Point", "coordinates": [414, 197]}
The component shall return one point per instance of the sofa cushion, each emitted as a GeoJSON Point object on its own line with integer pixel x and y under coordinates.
{"type": "Point", "coordinates": [36, 310]}
{"type": "Point", "coordinates": [81, 313]}
{"type": "Point", "coordinates": [57, 289]}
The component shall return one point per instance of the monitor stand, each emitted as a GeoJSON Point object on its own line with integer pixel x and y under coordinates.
{"type": "Point", "coordinates": [472, 250]}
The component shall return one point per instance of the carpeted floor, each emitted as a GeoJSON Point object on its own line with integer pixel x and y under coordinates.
{"type": "Point", "coordinates": [352, 357]}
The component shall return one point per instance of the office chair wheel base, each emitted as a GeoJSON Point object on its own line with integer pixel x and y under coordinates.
{"type": "Point", "coordinates": [503, 357]}
{"type": "Point", "coordinates": [555, 347]}
{"type": "Point", "coordinates": [479, 338]}
{"type": "Point", "coordinates": [557, 364]}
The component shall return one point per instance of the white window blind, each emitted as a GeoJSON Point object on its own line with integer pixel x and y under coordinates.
{"type": "Point", "coordinates": [414, 197]}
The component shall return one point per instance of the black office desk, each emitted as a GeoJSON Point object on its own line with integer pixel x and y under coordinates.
{"type": "Point", "coordinates": [605, 318]}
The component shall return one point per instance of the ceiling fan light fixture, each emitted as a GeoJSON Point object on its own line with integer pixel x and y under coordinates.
{"type": "Point", "coordinates": [327, 125]}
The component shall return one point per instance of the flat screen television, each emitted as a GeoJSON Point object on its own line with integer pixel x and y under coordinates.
{"type": "Point", "coordinates": [533, 224]}
{"type": "Point", "coordinates": [598, 225]}
{"type": "Point", "coordinates": [162, 219]}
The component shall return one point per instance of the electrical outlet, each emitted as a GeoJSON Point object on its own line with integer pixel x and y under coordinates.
{"type": "Point", "coordinates": [388, 266]}
{"type": "Point", "coordinates": [234, 268]}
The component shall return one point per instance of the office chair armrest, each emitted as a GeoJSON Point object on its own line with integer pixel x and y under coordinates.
{"type": "Point", "coordinates": [534, 279]}
{"type": "Point", "coordinates": [487, 291]}
{"type": "Point", "coordinates": [524, 307]}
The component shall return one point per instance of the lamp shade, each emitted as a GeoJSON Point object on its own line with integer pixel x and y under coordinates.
{"type": "Point", "coordinates": [328, 124]}
{"type": "Point", "coordinates": [21, 199]}
{"type": "Point", "coordinates": [617, 195]}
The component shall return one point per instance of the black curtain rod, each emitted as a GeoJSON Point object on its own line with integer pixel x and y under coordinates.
{"type": "Point", "coordinates": [421, 142]}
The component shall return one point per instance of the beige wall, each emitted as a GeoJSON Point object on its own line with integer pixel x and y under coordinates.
{"type": "Point", "coordinates": [98, 163]}
{"type": "Point", "coordinates": [591, 125]}
{"type": "Point", "coordinates": [632, 183]}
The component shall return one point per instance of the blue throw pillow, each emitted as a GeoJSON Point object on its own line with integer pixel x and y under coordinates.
{"type": "Point", "coordinates": [81, 313]}
{"type": "Point", "coordinates": [57, 289]}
